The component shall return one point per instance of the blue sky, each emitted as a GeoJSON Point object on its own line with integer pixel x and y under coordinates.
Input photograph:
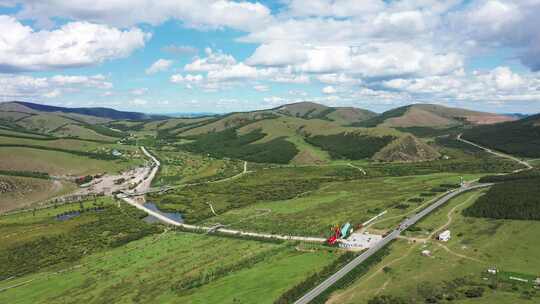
{"type": "Point", "coordinates": [222, 55]}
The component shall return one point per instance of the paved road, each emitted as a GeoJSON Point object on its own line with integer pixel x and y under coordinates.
{"type": "Point", "coordinates": [308, 297]}
{"type": "Point", "coordinates": [169, 221]}
{"type": "Point", "coordinates": [145, 185]}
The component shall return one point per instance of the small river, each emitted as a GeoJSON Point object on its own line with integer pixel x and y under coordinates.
{"type": "Point", "coordinates": [175, 216]}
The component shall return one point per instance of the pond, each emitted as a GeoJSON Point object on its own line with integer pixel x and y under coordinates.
{"type": "Point", "coordinates": [175, 216]}
{"type": "Point", "coordinates": [72, 214]}
{"type": "Point", "coordinates": [67, 216]}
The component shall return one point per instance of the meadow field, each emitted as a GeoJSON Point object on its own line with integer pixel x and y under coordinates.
{"type": "Point", "coordinates": [180, 167]}
{"type": "Point", "coordinates": [336, 202]}
{"type": "Point", "coordinates": [456, 267]}
{"type": "Point", "coordinates": [161, 265]}
{"type": "Point", "coordinates": [19, 192]}
{"type": "Point", "coordinates": [64, 156]}
{"type": "Point", "coordinates": [57, 163]}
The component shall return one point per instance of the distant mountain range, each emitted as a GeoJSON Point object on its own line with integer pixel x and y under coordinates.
{"type": "Point", "coordinates": [27, 107]}
{"type": "Point", "coordinates": [429, 115]}
{"type": "Point", "coordinates": [299, 133]}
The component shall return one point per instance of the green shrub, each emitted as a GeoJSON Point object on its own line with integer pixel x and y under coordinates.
{"type": "Point", "coordinates": [33, 174]}
{"type": "Point", "coordinates": [475, 292]}
{"type": "Point", "coordinates": [111, 228]}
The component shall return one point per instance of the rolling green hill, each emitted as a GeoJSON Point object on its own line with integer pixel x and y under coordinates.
{"type": "Point", "coordinates": [341, 115]}
{"type": "Point", "coordinates": [407, 149]}
{"type": "Point", "coordinates": [84, 123]}
{"type": "Point", "coordinates": [298, 133]}
{"type": "Point", "coordinates": [434, 116]}
{"type": "Point", "coordinates": [29, 107]}
{"type": "Point", "coordinates": [520, 137]}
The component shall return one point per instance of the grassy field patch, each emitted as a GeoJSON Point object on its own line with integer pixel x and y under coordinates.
{"type": "Point", "coordinates": [455, 268]}
{"type": "Point", "coordinates": [155, 268]}
{"type": "Point", "coordinates": [334, 202]}
{"type": "Point", "coordinates": [17, 192]}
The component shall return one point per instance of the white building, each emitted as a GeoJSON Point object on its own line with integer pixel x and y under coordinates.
{"type": "Point", "coordinates": [444, 236]}
{"type": "Point", "coordinates": [426, 253]}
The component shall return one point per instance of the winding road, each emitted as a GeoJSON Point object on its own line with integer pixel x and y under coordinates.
{"type": "Point", "coordinates": [500, 154]}
{"type": "Point", "coordinates": [308, 297]}
{"type": "Point", "coordinates": [145, 185]}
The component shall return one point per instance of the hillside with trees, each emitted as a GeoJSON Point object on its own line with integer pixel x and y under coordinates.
{"type": "Point", "coordinates": [515, 199]}
{"type": "Point", "coordinates": [520, 137]}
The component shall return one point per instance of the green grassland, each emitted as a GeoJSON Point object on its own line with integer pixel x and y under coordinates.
{"type": "Point", "coordinates": [535, 162]}
{"type": "Point", "coordinates": [293, 130]}
{"type": "Point", "coordinates": [308, 154]}
{"type": "Point", "coordinates": [29, 224]}
{"type": "Point", "coordinates": [12, 133]}
{"type": "Point", "coordinates": [76, 130]}
{"type": "Point", "coordinates": [89, 119]}
{"type": "Point", "coordinates": [65, 143]}
{"type": "Point", "coordinates": [304, 134]}
{"type": "Point", "coordinates": [54, 156]}
{"type": "Point", "coordinates": [179, 167]}
{"type": "Point", "coordinates": [11, 116]}
{"type": "Point", "coordinates": [165, 266]}
{"type": "Point", "coordinates": [229, 143]}
{"type": "Point", "coordinates": [315, 211]}
{"type": "Point", "coordinates": [309, 199]}
{"type": "Point", "coordinates": [36, 242]}
{"type": "Point", "coordinates": [456, 266]}
{"type": "Point", "coordinates": [233, 120]}
{"type": "Point", "coordinates": [58, 163]}
{"type": "Point", "coordinates": [43, 123]}
{"type": "Point", "coordinates": [18, 192]}
{"type": "Point", "coordinates": [173, 123]}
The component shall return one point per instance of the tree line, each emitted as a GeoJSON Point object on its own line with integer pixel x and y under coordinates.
{"type": "Point", "coordinates": [513, 199]}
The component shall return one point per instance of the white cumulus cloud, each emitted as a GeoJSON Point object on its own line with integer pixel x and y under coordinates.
{"type": "Point", "coordinates": [126, 13]}
{"type": "Point", "coordinates": [74, 44]}
{"type": "Point", "coordinates": [160, 65]}
{"type": "Point", "coordinates": [329, 90]}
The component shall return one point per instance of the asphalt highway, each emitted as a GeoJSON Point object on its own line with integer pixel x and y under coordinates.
{"type": "Point", "coordinates": [308, 297]}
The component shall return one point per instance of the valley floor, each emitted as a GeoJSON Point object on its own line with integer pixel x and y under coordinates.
{"type": "Point", "coordinates": [459, 265]}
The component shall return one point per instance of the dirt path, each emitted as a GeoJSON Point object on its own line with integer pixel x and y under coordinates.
{"type": "Point", "coordinates": [416, 242]}
{"type": "Point", "coordinates": [407, 213]}
{"type": "Point", "coordinates": [344, 297]}
{"type": "Point", "coordinates": [360, 169]}
{"type": "Point", "coordinates": [450, 217]}
{"type": "Point", "coordinates": [458, 254]}
{"type": "Point", "coordinates": [383, 287]}
{"type": "Point", "coordinates": [166, 220]}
